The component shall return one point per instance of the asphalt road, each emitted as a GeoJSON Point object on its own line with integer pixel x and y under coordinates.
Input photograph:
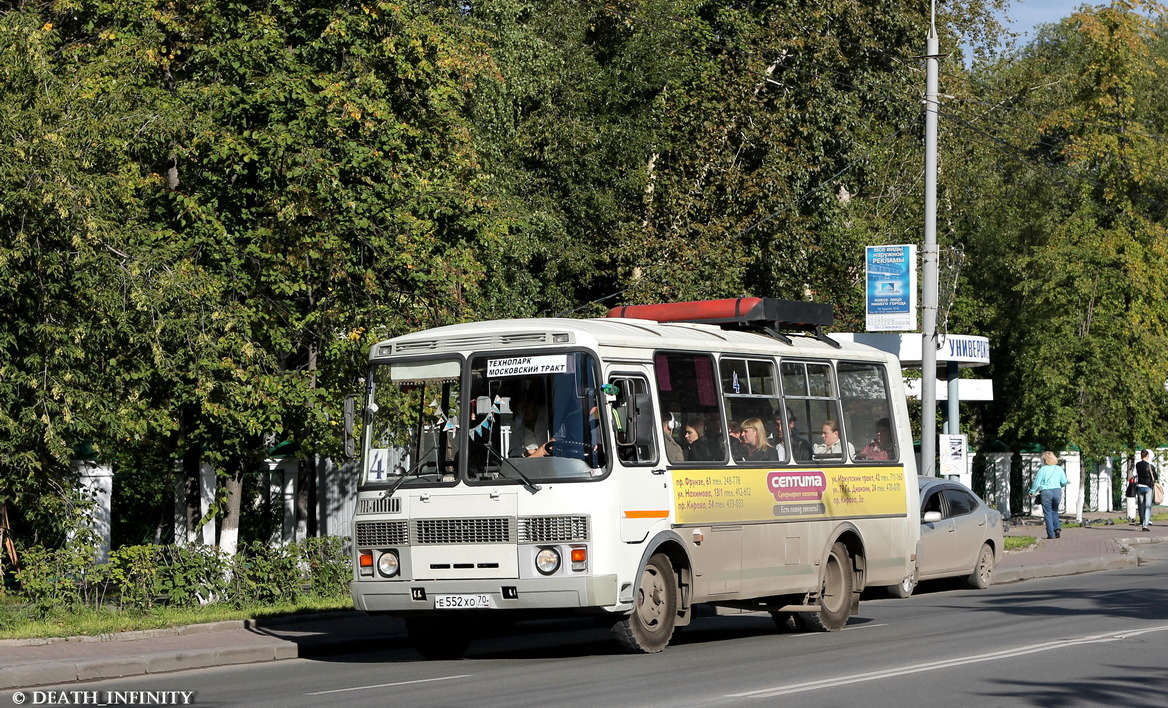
{"type": "Point", "coordinates": [1083, 640]}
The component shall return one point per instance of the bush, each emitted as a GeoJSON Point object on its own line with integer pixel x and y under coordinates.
{"type": "Point", "coordinates": [187, 576]}
{"type": "Point", "coordinates": [134, 570]}
{"type": "Point", "coordinates": [61, 579]}
{"type": "Point", "coordinates": [327, 565]}
{"type": "Point", "coordinates": [193, 575]}
{"type": "Point", "coordinates": [265, 573]}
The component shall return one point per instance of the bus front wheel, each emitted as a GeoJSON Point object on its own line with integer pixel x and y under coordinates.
{"type": "Point", "coordinates": [649, 627]}
{"type": "Point", "coordinates": [835, 594]}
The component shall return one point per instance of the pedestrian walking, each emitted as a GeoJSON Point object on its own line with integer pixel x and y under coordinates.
{"type": "Point", "coordinates": [1145, 480]}
{"type": "Point", "coordinates": [1049, 484]}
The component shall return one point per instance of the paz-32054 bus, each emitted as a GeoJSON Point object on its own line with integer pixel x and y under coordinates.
{"type": "Point", "coordinates": [630, 467]}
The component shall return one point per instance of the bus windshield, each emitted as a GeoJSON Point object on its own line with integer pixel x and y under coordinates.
{"type": "Point", "coordinates": [412, 422]}
{"type": "Point", "coordinates": [527, 418]}
{"type": "Point", "coordinates": [535, 416]}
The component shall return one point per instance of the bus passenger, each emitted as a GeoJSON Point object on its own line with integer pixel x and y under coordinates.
{"type": "Point", "coordinates": [529, 427]}
{"type": "Point", "coordinates": [798, 444]}
{"type": "Point", "coordinates": [695, 437]}
{"type": "Point", "coordinates": [754, 442]}
{"type": "Point", "coordinates": [734, 430]}
{"type": "Point", "coordinates": [673, 449]}
{"type": "Point", "coordinates": [881, 447]}
{"type": "Point", "coordinates": [831, 446]}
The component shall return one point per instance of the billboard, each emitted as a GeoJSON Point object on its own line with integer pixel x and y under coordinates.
{"type": "Point", "coordinates": [892, 288]}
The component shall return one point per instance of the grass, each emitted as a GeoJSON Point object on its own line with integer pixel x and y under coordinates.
{"type": "Point", "coordinates": [19, 622]}
{"type": "Point", "coordinates": [1018, 543]}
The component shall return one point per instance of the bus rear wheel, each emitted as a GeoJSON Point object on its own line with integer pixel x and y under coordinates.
{"type": "Point", "coordinates": [649, 627]}
{"type": "Point", "coordinates": [835, 594]}
{"type": "Point", "coordinates": [439, 637]}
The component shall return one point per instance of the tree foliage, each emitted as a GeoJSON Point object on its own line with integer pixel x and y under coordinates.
{"type": "Point", "coordinates": [211, 210]}
{"type": "Point", "coordinates": [1074, 227]}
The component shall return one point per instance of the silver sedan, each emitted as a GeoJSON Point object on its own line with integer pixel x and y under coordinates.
{"type": "Point", "coordinates": [961, 536]}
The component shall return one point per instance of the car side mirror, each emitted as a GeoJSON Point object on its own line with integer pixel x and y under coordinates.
{"type": "Point", "coordinates": [931, 517]}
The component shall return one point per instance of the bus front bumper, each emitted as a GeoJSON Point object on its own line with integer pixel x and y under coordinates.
{"type": "Point", "coordinates": [596, 592]}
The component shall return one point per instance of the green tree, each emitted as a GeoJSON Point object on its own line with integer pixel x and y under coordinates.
{"type": "Point", "coordinates": [1075, 226]}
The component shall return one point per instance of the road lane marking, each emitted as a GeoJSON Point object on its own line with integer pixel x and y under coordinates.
{"type": "Point", "coordinates": [944, 664]}
{"type": "Point", "coordinates": [388, 685]}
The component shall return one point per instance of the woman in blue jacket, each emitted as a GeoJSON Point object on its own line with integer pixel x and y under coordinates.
{"type": "Point", "coordinates": [1049, 482]}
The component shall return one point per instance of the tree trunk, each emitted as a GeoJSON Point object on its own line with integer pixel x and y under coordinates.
{"type": "Point", "coordinates": [229, 530]}
{"type": "Point", "coordinates": [304, 481]}
{"type": "Point", "coordinates": [192, 496]}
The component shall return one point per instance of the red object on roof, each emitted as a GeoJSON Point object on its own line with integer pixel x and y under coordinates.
{"type": "Point", "coordinates": [756, 311]}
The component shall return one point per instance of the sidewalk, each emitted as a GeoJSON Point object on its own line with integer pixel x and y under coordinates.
{"type": "Point", "coordinates": [30, 663]}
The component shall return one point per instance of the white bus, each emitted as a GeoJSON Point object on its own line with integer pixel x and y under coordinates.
{"type": "Point", "coordinates": [521, 468]}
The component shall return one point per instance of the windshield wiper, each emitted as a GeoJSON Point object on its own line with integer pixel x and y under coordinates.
{"type": "Point", "coordinates": [526, 480]}
{"type": "Point", "coordinates": [408, 473]}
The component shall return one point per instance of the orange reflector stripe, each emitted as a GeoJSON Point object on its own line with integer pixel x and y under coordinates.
{"type": "Point", "coordinates": [647, 514]}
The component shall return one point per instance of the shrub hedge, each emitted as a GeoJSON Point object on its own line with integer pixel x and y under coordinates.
{"type": "Point", "coordinates": [138, 578]}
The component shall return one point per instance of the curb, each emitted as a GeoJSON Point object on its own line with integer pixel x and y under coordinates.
{"type": "Point", "coordinates": [1061, 568]}
{"type": "Point", "coordinates": [183, 630]}
{"type": "Point", "coordinates": [53, 672]}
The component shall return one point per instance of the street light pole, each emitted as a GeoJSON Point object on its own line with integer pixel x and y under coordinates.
{"type": "Point", "coordinates": [929, 275]}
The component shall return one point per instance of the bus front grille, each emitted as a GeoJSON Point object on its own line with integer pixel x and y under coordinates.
{"type": "Point", "coordinates": [553, 529]}
{"type": "Point", "coordinates": [473, 530]}
{"type": "Point", "coordinates": [382, 533]}
{"type": "Point", "coordinates": [392, 505]}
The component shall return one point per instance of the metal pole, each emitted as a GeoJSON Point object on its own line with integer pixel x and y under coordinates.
{"type": "Point", "coordinates": [953, 417]}
{"type": "Point", "coordinates": [929, 274]}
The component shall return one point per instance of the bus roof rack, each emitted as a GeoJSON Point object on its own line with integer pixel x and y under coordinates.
{"type": "Point", "coordinates": [768, 314]}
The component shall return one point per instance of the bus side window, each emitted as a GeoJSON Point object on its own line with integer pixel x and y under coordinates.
{"type": "Point", "coordinates": [750, 391]}
{"type": "Point", "coordinates": [867, 415]}
{"type": "Point", "coordinates": [634, 421]}
{"type": "Point", "coordinates": [688, 386]}
{"type": "Point", "coordinates": [811, 406]}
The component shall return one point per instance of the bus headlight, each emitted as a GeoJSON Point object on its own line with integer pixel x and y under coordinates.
{"type": "Point", "coordinates": [388, 564]}
{"type": "Point", "coordinates": [547, 561]}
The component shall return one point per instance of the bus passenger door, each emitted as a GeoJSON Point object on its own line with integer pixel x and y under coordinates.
{"type": "Point", "coordinates": [640, 467]}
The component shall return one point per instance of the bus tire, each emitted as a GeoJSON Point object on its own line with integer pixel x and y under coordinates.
{"type": "Point", "coordinates": [786, 622]}
{"type": "Point", "coordinates": [835, 593]}
{"type": "Point", "coordinates": [648, 628]}
{"type": "Point", "coordinates": [438, 638]}
{"type": "Point", "coordinates": [983, 570]}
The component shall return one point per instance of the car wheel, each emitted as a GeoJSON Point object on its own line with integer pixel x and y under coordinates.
{"type": "Point", "coordinates": [983, 570]}
{"type": "Point", "coordinates": [904, 589]}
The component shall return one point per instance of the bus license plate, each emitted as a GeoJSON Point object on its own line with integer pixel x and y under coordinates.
{"type": "Point", "coordinates": [463, 602]}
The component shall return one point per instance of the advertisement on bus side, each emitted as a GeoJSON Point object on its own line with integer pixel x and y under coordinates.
{"type": "Point", "coordinates": [744, 495]}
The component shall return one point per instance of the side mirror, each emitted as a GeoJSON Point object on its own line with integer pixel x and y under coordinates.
{"type": "Point", "coordinates": [350, 415]}
{"type": "Point", "coordinates": [931, 517]}
{"type": "Point", "coordinates": [643, 419]}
